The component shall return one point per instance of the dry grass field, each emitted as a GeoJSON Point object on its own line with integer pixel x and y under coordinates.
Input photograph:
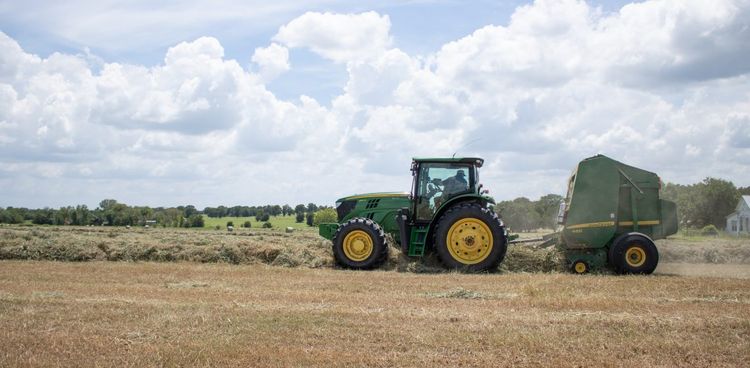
{"type": "Point", "coordinates": [189, 314]}
{"type": "Point", "coordinates": [175, 297]}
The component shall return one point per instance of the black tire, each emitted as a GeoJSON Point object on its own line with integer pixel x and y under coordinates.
{"type": "Point", "coordinates": [368, 260]}
{"type": "Point", "coordinates": [633, 253]}
{"type": "Point", "coordinates": [474, 262]}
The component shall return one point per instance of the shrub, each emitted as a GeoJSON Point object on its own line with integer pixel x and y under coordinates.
{"type": "Point", "coordinates": [324, 215]}
{"type": "Point", "coordinates": [300, 217]}
{"type": "Point", "coordinates": [196, 220]}
{"type": "Point", "coordinates": [247, 224]}
{"type": "Point", "coordinates": [230, 223]}
{"type": "Point", "coordinates": [267, 225]}
{"type": "Point", "coordinates": [709, 230]}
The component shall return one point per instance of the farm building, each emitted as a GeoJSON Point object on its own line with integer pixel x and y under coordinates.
{"type": "Point", "coordinates": [739, 220]}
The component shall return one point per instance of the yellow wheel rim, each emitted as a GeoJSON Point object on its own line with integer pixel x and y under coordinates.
{"type": "Point", "coordinates": [635, 256]}
{"type": "Point", "coordinates": [469, 241]}
{"type": "Point", "coordinates": [357, 245]}
{"type": "Point", "coordinates": [580, 267]}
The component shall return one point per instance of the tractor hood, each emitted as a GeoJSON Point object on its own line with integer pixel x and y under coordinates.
{"type": "Point", "coordinates": [370, 204]}
{"type": "Point", "coordinates": [374, 196]}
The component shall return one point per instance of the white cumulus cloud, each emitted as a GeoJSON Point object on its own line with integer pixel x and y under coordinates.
{"type": "Point", "coordinates": [272, 60]}
{"type": "Point", "coordinates": [339, 37]}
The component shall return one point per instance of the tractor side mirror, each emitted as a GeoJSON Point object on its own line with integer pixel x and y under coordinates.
{"type": "Point", "coordinates": [482, 191]}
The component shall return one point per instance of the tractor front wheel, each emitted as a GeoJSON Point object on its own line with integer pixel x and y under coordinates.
{"type": "Point", "coordinates": [633, 253]}
{"type": "Point", "coordinates": [470, 237]}
{"type": "Point", "coordinates": [360, 244]}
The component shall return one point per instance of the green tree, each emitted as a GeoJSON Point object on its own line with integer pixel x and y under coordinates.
{"type": "Point", "coordinates": [300, 208]}
{"type": "Point", "coordinates": [196, 220]}
{"type": "Point", "coordinates": [190, 210]}
{"type": "Point", "coordinates": [719, 198]}
{"type": "Point", "coordinates": [170, 217]}
{"type": "Point", "coordinates": [683, 196]}
{"type": "Point", "coordinates": [45, 216]}
{"type": "Point", "coordinates": [704, 203]}
{"type": "Point", "coordinates": [107, 203]}
{"type": "Point", "coordinates": [10, 215]}
{"type": "Point", "coordinates": [81, 215]}
{"type": "Point", "coordinates": [519, 214]}
{"type": "Point", "coordinates": [63, 216]}
{"type": "Point", "coordinates": [286, 210]}
{"type": "Point", "coordinates": [547, 208]}
{"type": "Point", "coordinates": [744, 190]}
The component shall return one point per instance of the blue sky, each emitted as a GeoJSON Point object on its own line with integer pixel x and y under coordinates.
{"type": "Point", "coordinates": [252, 103]}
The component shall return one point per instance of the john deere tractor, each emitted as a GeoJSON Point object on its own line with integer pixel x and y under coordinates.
{"type": "Point", "coordinates": [446, 212]}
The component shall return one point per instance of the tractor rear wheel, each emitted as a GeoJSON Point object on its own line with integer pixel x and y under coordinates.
{"type": "Point", "coordinates": [633, 253]}
{"type": "Point", "coordinates": [470, 237]}
{"type": "Point", "coordinates": [360, 244]}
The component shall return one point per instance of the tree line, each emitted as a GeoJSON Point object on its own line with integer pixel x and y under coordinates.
{"type": "Point", "coordinates": [705, 203]}
{"type": "Point", "coordinates": [250, 211]}
{"type": "Point", "coordinates": [698, 205]}
{"type": "Point", "coordinates": [113, 213]}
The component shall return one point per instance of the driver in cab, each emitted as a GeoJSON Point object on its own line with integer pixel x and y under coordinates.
{"type": "Point", "coordinates": [456, 184]}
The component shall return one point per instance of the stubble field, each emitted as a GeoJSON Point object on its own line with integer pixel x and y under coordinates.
{"type": "Point", "coordinates": [303, 312]}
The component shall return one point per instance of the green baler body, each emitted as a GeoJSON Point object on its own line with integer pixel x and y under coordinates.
{"type": "Point", "coordinates": [606, 199]}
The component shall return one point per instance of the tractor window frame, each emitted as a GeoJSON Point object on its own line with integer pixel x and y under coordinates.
{"type": "Point", "coordinates": [425, 213]}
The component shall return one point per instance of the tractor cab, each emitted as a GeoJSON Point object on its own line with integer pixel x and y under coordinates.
{"type": "Point", "coordinates": [438, 180]}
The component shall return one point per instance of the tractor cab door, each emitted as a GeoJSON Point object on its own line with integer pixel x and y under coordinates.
{"type": "Point", "coordinates": [436, 183]}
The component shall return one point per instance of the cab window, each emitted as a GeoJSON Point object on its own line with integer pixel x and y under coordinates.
{"type": "Point", "coordinates": [438, 182]}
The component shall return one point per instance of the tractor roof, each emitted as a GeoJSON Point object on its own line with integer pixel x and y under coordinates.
{"type": "Point", "coordinates": [466, 160]}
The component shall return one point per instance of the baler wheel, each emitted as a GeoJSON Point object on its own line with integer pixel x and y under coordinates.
{"type": "Point", "coordinates": [470, 237]}
{"type": "Point", "coordinates": [580, 267]}
{"type": "Point", "coordinates": [634, 253]}
{"type": "Point", "coordinates": [360, 244]}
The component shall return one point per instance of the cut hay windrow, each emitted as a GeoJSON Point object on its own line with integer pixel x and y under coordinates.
{"type": "Point", "coordinates": [276, 248]}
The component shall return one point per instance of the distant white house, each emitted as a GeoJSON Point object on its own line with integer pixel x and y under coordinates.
{"type": "Point", "coordinates": [739, 220]}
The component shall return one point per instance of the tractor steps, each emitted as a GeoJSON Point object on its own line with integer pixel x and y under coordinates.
{"type": "Point", "coordinates": [418, 241]}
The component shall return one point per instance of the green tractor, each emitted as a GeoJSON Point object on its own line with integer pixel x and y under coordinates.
{"type": "Point", "coordinates": [447, 212]}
